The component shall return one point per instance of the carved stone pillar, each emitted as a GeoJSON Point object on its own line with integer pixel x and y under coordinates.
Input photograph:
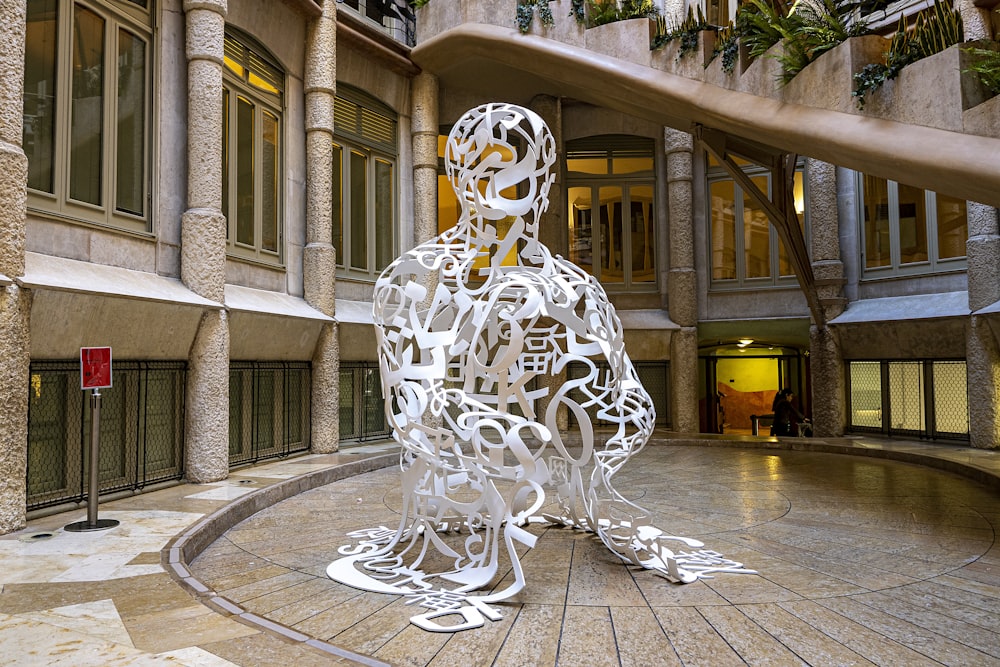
{"type": "Point", "coordinates": [15, 303]}
{"type": "Point", "coordinates": [319, 270]}
{"type": "Point", "coordinates": [682, 285]}
{"type": "Point", "coordinates": [203, 245]}
{"type": "Point", "coordinates": [829, 389]}
{"type": "Point", "coordinates": [982, 350]}
{"type": "Point", "coordinates": [424, 133]}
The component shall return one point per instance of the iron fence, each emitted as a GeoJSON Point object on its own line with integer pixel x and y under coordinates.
{"type": "Point", "coordinates": [362, 408]}
{"type": "Point", "coordinates": [142, 430]}
{"type": "Point", "coordinates": [268, 410]}
{"type": "Point", "coordinates": [912, 398]}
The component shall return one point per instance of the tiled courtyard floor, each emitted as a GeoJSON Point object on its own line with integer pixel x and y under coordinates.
{"type": "Point", "coordinates": [860, 560]}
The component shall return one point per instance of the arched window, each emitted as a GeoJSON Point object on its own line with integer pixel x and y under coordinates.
{"type": "Point", "coordinates": [253, 86]}
{"type": "Point", "coordinates": [365, 150]}
{"type": "Point", "coordinates": [87, 110]}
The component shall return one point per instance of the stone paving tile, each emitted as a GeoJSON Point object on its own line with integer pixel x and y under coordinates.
{"type": "Point", "coordinates": [927, 642]}
{"type": "Point", "coordinates": [751, 642]}
{"type": "Point", "coordinates": [811, 645]}
{"type": "Point", "coordinates": [693, 638]}
{"type": "Point", "coordinates": [640, 640]}
{"type": "Point", "coordinates": [533, 639]}
{"type": "Point", "coordinates": [587, 634]}
{"type": "Point", "coordinates": [862, 640]}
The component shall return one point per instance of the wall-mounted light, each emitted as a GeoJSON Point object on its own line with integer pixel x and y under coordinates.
{"type": "Point", "coordinates": [743, 342]}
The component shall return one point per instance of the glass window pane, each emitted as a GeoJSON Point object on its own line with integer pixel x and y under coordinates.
{"type": "Point", "coordinates": [952, 227]}
{"type": "Point", "coordinates": [798, 195]}
{"type": "Point", "coordinates": [756, 235]}
{"type": "Point", "coordinates": [643, 269]}
{"type": "Point", "coordinates": [630, 165]}
{"type": "Point", "coordinates": [87, 117]}
{"type": "Point", "coordinates": [588, 165]}
{"type": "Point", "coordinates": [723, 198]}
{"type": "Point", "coordinates": [612, 236]}
{"type": "Point", "coordinates": [906, 396]}
{"type": "Point", "coordinates": [581, 228]}
{"type": "Point", "coordinates": [269, 183]}
{"type": "Point", "coordinates": [384, 218]}
{"type": "Point", "coordinates": [244, 172]}
{"type": "Point", "coordinates": [225, 157]}
{"type": "Point", "coordinates": [866, 394]}
{"type": "Point", "coordinates": [876, 221]}
{"type": "Point", "coordinates": [951, 397]}
{"type": "Point", "coordinates": [359, 211]}
{"type": "Point", "coordinates": [338, 203]}
{"type": "Point", "coordinates": [40, 93]}
{"type": "Point", "coordinates": [912, 225]}
{"type": "Point", "coordinates": [130, 169]}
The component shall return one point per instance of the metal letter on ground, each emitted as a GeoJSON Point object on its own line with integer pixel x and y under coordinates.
{"type": "Point", "coordinates": [467, 324]}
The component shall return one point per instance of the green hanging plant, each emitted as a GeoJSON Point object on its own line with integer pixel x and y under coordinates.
{"type": "Point", "coordinates": [578, 10]}
{"type": "Point", "coordinates": [727, 45]}
{"type": "Point", "coordinates": [526, 14]}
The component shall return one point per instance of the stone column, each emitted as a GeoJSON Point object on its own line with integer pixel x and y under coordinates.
{"type": "Point", "coordinates": [982, 353]}
{"type": "Point", "coordinates": [552, 229]}
{"type": "Point", "coordinates": [15, 303]}
{"type": "Point", "coordinates": [682, 282]}
{"type": "Point", "coordinates": [319, 270]}
{"type": "Point", "coordinates": [203, 246]}
{"type": "Point", "coordinates": [829, 390]}
{"type": "Point", "coordinates": [975, 20]}
{"type": "Point", "coordinates": [424, 121]}
{"type": "Point", "coordinates": [424, 134]}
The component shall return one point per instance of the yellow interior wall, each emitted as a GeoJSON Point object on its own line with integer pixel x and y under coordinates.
{"type": "Point", "coordinates": [748, 374]}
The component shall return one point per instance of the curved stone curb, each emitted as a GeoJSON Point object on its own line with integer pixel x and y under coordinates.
{"type": "Point", "coordinates": [186, 546]}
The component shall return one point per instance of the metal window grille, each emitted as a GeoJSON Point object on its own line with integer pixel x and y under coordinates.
{"type": "Point", "coordinates": [142, 430]}
{"type": "Point", "coordinates": [913, 398]}
{"type": "Point", "coordinates": [654, 375]}
{"type": "Point", "coordinates": [394, 17]}
{"type": "Point", "coordinates": [362, 407]}
{"type": "Point", "coordinates": [268, 410]}
{"type": "Point", "coordinates": [950, 400]}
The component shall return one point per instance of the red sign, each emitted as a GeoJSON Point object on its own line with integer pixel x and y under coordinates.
{"type": "Point", "coordinates": [95, 367]}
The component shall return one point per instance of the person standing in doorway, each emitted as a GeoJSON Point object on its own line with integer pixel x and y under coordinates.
{"type": "Point", "coordinates": [786, 416]}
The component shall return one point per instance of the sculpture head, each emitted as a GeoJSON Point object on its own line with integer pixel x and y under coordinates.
{"type": "Point", "coordinates": [499, 160]}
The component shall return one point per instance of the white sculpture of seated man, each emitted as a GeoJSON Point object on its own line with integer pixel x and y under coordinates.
{"type": "Point", "coordinates": [467, 324]}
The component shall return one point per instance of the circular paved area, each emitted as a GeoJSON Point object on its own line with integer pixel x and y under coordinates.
{"type": "Point", "coordinates": [860, 561]}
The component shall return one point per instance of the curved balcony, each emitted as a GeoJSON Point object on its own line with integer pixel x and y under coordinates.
{"type": "Point", "coordinates": [930, 127]}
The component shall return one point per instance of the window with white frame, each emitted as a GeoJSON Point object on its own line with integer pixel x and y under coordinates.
{"type": "Point", "coordinates": [87, 110]}
{"type": "Point", "coordinates": [908, 230]}
{"type": "Point", "coordinates": [253, 86]}
{"type": "Point", "coordinates": [611, 209]}
{"type": "Point", "coordinates": [744, 248]}
{"type": "Point", "coordinates": [364, 183]}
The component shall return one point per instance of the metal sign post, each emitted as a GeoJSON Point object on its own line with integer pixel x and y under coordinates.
{"type": "Point", "coordinates": [95, 374]}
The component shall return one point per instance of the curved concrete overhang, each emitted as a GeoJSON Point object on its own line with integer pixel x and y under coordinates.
{"type": "Point", "coordinates": [960, 165]}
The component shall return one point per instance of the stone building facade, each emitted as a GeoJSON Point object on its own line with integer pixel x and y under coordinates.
{"type": "Point", "coordinates": [210, 187]}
